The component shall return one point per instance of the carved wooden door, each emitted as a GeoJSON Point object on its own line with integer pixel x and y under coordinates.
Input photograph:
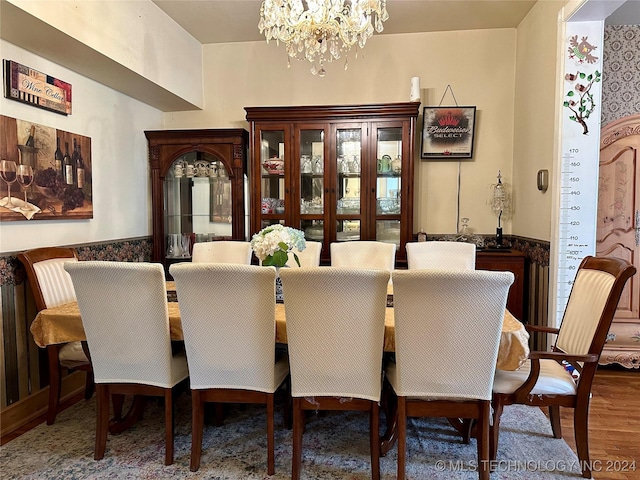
{"type": "Point", "coordinates": [618, 231]}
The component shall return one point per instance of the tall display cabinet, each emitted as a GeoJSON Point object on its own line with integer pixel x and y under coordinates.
{"type": "Point", "coordinates": [339, 173]}
{"type": "Point", "coordinates": [197, 189]}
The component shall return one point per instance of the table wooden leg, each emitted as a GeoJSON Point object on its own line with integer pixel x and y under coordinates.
{"type": "Point", "coordinates": [390, 408]}
{"type": "Point", "coordinates": [132, 416]}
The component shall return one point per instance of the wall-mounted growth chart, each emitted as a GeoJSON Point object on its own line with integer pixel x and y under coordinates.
{"type": "Point", "coordinates": [575, 233]}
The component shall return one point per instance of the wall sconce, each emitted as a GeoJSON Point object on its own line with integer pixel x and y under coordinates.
{"type": "Point", "coordinates": [543, 180]}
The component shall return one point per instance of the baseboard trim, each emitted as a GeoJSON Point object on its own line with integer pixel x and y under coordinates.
{"type": "Point", "coordinates": [29, 408]}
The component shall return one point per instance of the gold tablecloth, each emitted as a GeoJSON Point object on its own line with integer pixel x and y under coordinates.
{"type": "Point", "coordinates": [63, 324]}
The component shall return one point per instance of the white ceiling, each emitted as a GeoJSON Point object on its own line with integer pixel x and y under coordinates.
{"type": "Point", "coordinates": [222, 21]}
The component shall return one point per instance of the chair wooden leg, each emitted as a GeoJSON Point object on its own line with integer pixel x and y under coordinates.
{"type": "Point", "coordinates": [271, 461]}
{"type": "Point", "coordinates": [89, 385]}
{"type": "Point", "coordinates": [581, 428]}
{"type": "Point", "coordinates": [54, 383]}
{"type": "Point", "coordinates": [374, 427]}
{"type": "Point", "coordinates": [118, 402]}
{"type": "Point", "coordinates": [482, 437]}
{"type": "Point", "coordinates": [287, 404]}
{"type": "Point", "coordinates": [554, 417]}
{"type": "Point", "coordinates": [219, 414]}
{"type": "Point", "coordinates": [402, 436]}
{"type": "Point", "coordinates": [197, 427]}
{"type": "Point", "coordinates": [168, 426]}
{"type": "Point", "coordinates": [102, 420]}
{"type": "Point", "coordinates": [494, 431]}
{"type": "Point", "coordinates": [298, 426]}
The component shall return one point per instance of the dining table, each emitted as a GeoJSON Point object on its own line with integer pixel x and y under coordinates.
{"type": "Point", "coordinates": [63, 324]}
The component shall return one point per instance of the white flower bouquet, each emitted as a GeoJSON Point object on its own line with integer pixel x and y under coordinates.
{"type": "Point", "coordinates": [273, 243]}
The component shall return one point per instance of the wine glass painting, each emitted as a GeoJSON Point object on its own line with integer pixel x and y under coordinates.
{"type": "Point", "coordinates": [8, 175]}
{"type": "Point", "coordinates": [25, 179]}
{"type": "Point", "coordinates": [53, 175]}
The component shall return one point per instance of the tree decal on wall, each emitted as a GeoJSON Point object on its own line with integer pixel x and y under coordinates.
{"type": "Point", "coordinates": [579, 99]}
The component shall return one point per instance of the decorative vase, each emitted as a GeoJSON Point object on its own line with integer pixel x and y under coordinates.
{"type": "Point", "coordinates": [279, 293]}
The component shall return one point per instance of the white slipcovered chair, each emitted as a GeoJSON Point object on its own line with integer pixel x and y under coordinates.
{"type": "Point", "coordinates": [442, 255]}
{"type": "Point", "coordinates": [363, 254]}
{"type": "Point", "coordinates": [126, 322]}
{"type": "Point", "coordinates": [544, 380]}
{"type": "Point", "coordinates": [51, 286]}
{"type": "Point", "coordinates": [223, 251]}
{"type": "Point", "coordinates": [335, 332]}
{"type": "Point", "coordinates": [229, 337]}
{"type": "Point", "coordinates": [447, 332]}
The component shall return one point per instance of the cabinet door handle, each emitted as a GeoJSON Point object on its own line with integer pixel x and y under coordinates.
{"type": "Point", "coordinates": [637, 228]}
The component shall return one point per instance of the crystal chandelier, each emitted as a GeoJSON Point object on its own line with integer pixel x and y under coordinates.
{"type": "Point", "coordinates": [321, 31]}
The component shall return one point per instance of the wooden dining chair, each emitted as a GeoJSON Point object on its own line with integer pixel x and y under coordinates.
{"type": "Point", "coordinates": [231, 353]}
{"type": "Point", "coordinates": [447, 333]}
{"type": "Point", "coordinates": [335, 332]}
{"type": "Point", "coordinates": [441, 254]}
{"type": "Point", "coordinates": [51, 286]}
{"type": "Point", "coordinates": [363, 254]}
{"type": "Point", "coordinates": [223, 251]}
{"type": "Point", "coordinates": [125, 317]}
{"type": "Point", "coordinates": [545, 379]}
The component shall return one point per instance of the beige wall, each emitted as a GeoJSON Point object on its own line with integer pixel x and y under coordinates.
{"type": "Point", "coordinates": [479, 65]}
{"type": "Point", "coordinates": [121, 183]}
{"type": "Point", "coordinates": [534, 120]}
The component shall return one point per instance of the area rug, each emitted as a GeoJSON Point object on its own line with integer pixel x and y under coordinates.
{"type": "Point", "coordinates": [335, 446]}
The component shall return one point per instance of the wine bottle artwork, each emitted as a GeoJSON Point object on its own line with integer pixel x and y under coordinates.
{"type": "Point", "coordinates": [25, 179]}
{"type": "Point", "coordinates": [80, 168]}
{"type": "Point", "coordinates": [68, 166]}
{"type": "Point", "coordinates": [59, 159]}
{"type": "Point", "coordinates": [74, 162]}
{"type": "Point", "coordinates": [31, 140]}
{"type": "Point", "coordinates": [8, 175]}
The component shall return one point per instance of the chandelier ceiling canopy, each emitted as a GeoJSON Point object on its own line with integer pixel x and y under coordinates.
{"type": "Point", "coordinates": [321, 31]}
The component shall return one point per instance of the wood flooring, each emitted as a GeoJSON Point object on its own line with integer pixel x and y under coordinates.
{"type": "Point", "coordinates": [614, 424]}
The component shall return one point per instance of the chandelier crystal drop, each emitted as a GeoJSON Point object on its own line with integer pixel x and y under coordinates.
{"type": "Point", "coordinates": [321, 31]}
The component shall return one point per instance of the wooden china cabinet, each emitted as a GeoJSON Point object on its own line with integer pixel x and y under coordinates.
{"type": "Point", "coordinates": [197, 189]}
{"type": "Point", "coordinates": [339, 173]}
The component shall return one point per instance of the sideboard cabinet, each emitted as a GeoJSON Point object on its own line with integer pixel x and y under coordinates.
{"type": "Point", "coordinates": [508, 261]}
{"type": "Point", "coordinates": [197, 189]}
{"type": "Point", "coordinates": [339, 173]}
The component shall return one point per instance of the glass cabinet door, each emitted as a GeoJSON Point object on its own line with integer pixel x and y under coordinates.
{"type": "Point", "coordinates": [388, 183]}
{"type": "Point", "coordinates": [197, 203]}
{"type": "Point", "coordinates": [349, 183]}
{"type": "Point", "coordinates": [272, 173]}
{"type": "Point", "coordinates": [312, 184]}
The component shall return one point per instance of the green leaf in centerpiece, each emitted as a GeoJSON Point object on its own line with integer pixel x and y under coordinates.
{"type": "Point", "coordinates": [280, 258]}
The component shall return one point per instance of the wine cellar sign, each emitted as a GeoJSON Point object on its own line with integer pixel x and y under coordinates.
{"type": "Point", "coordinates": [45, 173]}
{"type": "Point", "coordinates": [27, 85]}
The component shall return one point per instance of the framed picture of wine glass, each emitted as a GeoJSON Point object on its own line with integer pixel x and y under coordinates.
{"type": "Point", "coordinates": [447, 132]}
{"type": "Point", "coordinates": [45, 173]}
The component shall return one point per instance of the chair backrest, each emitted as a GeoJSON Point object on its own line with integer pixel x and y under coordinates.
{"type": "Point", "coordinates": [126, 320]}
{"type": "Point", "coordinates": [309, 257]}
{"type": "Point", "coordinates": [447, 331]}
{"type": "Point", "coordinates": [50, 283]}
{"type": "Point", "coordinates": [592, 304]}
{"type": "Point", "coordinates": [224, 251]}
{"type": "Point", "coordinates": [335, 330]}
{"type": "Point", "coordinates": [228, 322]}
{"type": "Point", "coordinates": [442, 255]}
{"type": "Point", "coordinates": [363, 254]}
